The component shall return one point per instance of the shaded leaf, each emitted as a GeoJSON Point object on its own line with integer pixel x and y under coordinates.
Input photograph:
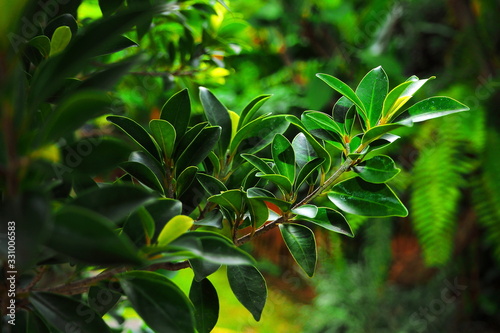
{"type": "Point", "coordinates": [217, 115]}
{"type": "Point", "coordinates": [206, 304]}
{"type": "Point", "coordinates": [199, 148]}
{"type": "Point", "coordinates": [281, 181]}
{"type": "Point", "coordinates": [143, 174]}
{"type": "Point", "coordinates": [322, 126]}
{"type": "Point", "coordinates": [249, 287]}
{"type": "Point", "coordinates": [378, 169]}
{"type": "Point", "coordinates": [250, 111]}
{"type": "Point", "coordinates": [185, 180]}
{"type": "Point", "coordinates": [177, 111]}
{"type": "Point", "coordinates": [60, 39]}
{"type": "Point", "coordinates": [307, 171]}
{"type": "Point", "coordinates": [211, 219]}
{"type": "Point", "coordinates": [283, 156]}
{"type": "Point", "coordinates": [343, 89]}
{"type": "Point", "coordinates": [329, 219]}
{"type": "Point", "coordinates": [164, 134]}
{"type": "Point", "coordinates": [302, 245]}
{"type": "Point", "coordinates": [258, 163]}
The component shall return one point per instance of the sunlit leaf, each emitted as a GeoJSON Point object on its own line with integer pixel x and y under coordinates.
{"type": "Point", "coordinates": [378, 169]}
{"type": "Point", "coordinates": [177, 226]}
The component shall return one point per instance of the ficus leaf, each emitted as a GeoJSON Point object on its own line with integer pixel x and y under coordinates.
{"type": "Point", "coordinates": [302, 245]}
{"type": "Point", "coordinates": [249, 287]}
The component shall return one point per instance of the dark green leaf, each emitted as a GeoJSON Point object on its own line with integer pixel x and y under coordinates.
{"type": "Point", "coordinates": [163, 210]}
{"type": "Point", "coordinates": [304, 151]}
{"type": "Point", "coordinates": [158, 301]}
{"type": "Point", "coordinates": [258, 133]}
{"type": "Point", "coordinates": [218, 250]}
{"type": "Point", "coordinates": [137, 133]}
{"type": "Point", "coordinates": [177, 111]}
{"type": "Point", "coordinates": [342, 88]}
{"type": "Point", "coordinates": [113, 202]}
{"type": "Point", "coordinates": [258, 163]}
{"type": "Point", "coordinates": [359, 197]}
{"type": "Point", "coordinates": [265, 195]}
{"type": "Point", "coordinates": [329, 219]}
{"type": "Point", "coordinates": [66, 314]}
{"type": "Point", "coordinates": [217, 115]}
{"type": "Point", "coordinates": [188, 138]}
{"type": "Point", "coordinates": [377, 132]}
{"type": "Point", "coordinates": [107, 78]}
{"type": "Point", "coordinates": [249, 287]}
{"type": "Point", "coordinates": [143, 174]}
{"type": "Point", "coordinates": [199, 148]}
{"type": "Point", "coordinates": [102, 298]}
{"type": "Point", "coordinates": [379, 169]}
{"type": "Point", "coordinates": [322, 126]}
{"type": "Point", "coordinates": [283, 156]}
{"type": "Point", "coordinates": [371, 92]}
{"type": "Point", "coordinates": [341, 114]}
{"type": "Point", "coordinates": [147, 160]}
{"type": "Point", "coordinates": [307, 171]}
{"type": "Point", "coordinates": [164, 134]}
{"type": "Point", "coordinates": [430, 108]}
{"type": "Point", "coordinates": [206, 305]}
{"type": "Point", "coordinates": [281, 181]}
{"type": "Point", "coordinates": [258, 210]}
{"type": "Point", "coordinates": [61, 20]}
{"type": "Point", "coordinates": [211, 184]}
{"type": "Point", "coordinates": [73, 112]}
{"type": "Point", "coordinates": [90, 238]}
{"type": "Point", "coordinates": [109, 6]}
{"type": "Point", "coordinates": [185, 179]}
{"type": "Point", "coordinates": [42, 44]}
{"type": "Point", "coordinates": [233, 200]}
{"type": "Point", "coordinates": [302, 245]}
{"type": "Point", "coordinates": [211, 219]}
{"type": "Point", "coordinates": [250, 111]}
{"type": "Point", "coordinates": [203, 268]}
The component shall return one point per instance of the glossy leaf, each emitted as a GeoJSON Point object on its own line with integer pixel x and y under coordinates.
{"type": "Point", "coordinates": [304, 151]}
{"type": "Point", "coordinates": [199, 148]}
{"type": "Point", "coordinates": [188, 138]}
{"type": "Point", "coordinates": [258, 163]}
{"type": "Point", "coordinates": [258, 133]}
{"type": "Point", "coordinates": [147, 222]}
{"type": "Point", "coordinates": [322, 126]}
{"type": "Point", "coordinates": [90, 238]}
{"type": "Point", "coordinates": [143, 174]}
{"type": "Point", "coordinates": [137, 133]}
{"type": "Point", "coordinates": [185, 180]}
{"type": "Point", "coordinates": [177, 226]}
{"type": "Point", "coordinates": [371, 92]}
{"type": "Point", "coordinates": [249, 287]}
{"type": "Point", "coordinates": [359, 197]}
{"type": "Point", "coordinates": [206, 304]}
{"type": "Point", "coordinates": [341, 114]}
{"type": "Point", "coordinates": [281, 181]}
{"type": "Point", "coordinates": [102, 299]}
{"type": "Point", "coordinates": [162, 305]}
{"type": "Point", "coordinates": [265, 195]}
{"type": "Point", "coordinates": [113, 202]}
{"type": "Point", "coordinates": [164, 134]}
{"type": "Point", "coordinates": [329, 219]}
{"type": "Point", "coordinates": [67, 314]}
{"type": "Point", "coordinates": [60, 39]}
{"type": "Point", "coordinates": [378, 169]}
{"type": "Point", "coordinates": [250, 111]}
{"type": "Point", "coordinates": [73, 112]}
{"type": "Point", "coordinates": [283, 156]}
{"type": "Point", "coordinates": [203, 268]}
{"type": "Point", "coordinates": [383, 141]}
{"type": "Point", "coordinates": [259, 213]}
{"type": "Point", "coordinates": [177, 111]}
{"type": "Point", "coordinates": [217, 115]}
{"type": "Point", "coordinates": [377, 132]}
{"type": "Point", "coordinates": [163, 210]}
{"type": "Point", "coordinates": [149, 161]}
{"type": "Point", "coordinates": [218, 250]}
{"type": "Point", "coordinates": [398, 97]}
{"type": "Point", "coordinates": [302, 245]}
{"type": "Point", "coordinates": [211, 219]}
{"type": "Point", "coordinates": [42, 44]}
{"type": "Point", "coordinates": [309, 211]}
{"type": "Point", "coordinates": [343, 89]}
{"type": "Point", "coordinates": [430, 108]}
{"type": "Point", "coordinates": [307, 171]}
{"type": "Point", "coordinates": [212, 185]}
{"type": "Point", "coordinates": [234, 200]}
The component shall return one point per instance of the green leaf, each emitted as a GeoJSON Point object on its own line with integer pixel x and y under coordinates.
{"type": "Point", "coordinates": [220, 250]}
{"type": "Point", "coordinates": [302, 245]}
{"type": "Point", "coordinates": [318, 148]}
{"type": "Point", "coordinates": [383, 141]}
{"type": "Point", "coordinates": [304, 151]}
{"type": "Point", "coordinates": [377, 132]}
{"type": "Point", "coordinates": [249, 112]}
{"type": "Point", "coordinates": [249, 287]}
{"type": "Point", "coordinates": [137, 133]}
{"type": "Point", "coordinates": [430, 108]}
{"type": "Point", "coordinates": [113, 202]}
{"type": "Point", "coordinates": [163, 210]}
{"type": "Point", "coordinates": [341, 114]}
{"type": "Point", "coordinates": [212, 185]}
{"type": "Point", "coordinates": [109, 6]}
{"type": "Point", "coordinates": [177, 226]}
{"type": "Point", "coordinates": [90, 238]}
{"type": "Point", "coordinates": [203, 268]}
{"type": "Point", "coordinates": [259, 212]}
{"type": "Point", "coordinates": [217, 114]}
{"type": "Point", "coordinates": [199, 148]}
{"type": "Point", "coordinates": [211, 219]}
{"type": "Point", "coordinates": [265, 195]}
{"type": "Point", "coordinates": [359, 197]}
{"type": "Point", "coordinates": [322, 126]}
{"type": "Point", "coordinates": [73, 112]}
{"type": "Point", "coordinates": [283, 156]}
{"type": "Point", "coordinates": [162, 305]}
{"type": "Point", "coordinates": [60, 39]}
{"type": "Point", "coordinates": [258, 133]}
{"type": "Point", "coordinates": [343, 89]}
{"type": "Point", "coordinates": [143, 174]}
{"type": "Point", "coordinates": [107, 78]}
{"type": "Point", "coordinates": [258, 163]}
{"type": "Point", "coordinates": [149, 161]}
{"type": "Point", "coordinates": [281, 181]}
{"type": "Point", "coordinates": [206, 304]}
{"type": "Point", "coordinates": [371, 92]}
{"type": "Point", "coordinates": [398, 96]}
{"type": "Point", "coordinates": [42, 44]}
{"type": "Point", "coordinates": [378, 169]}
{"type": "Point", "coordinates": [188, 138]}
{"type": "Point", "coordinates": [233, 200]}
{"type": "Point", "coordinates": [164, 134]}
{"type": "Point", "coordinates": [329, 219]}
{"type": "Point", "coordinates": [147, 222]}
{"type": "Point", "coordinates": [67, 314]}
{"type": "Point", "coordinates": [185, 180]}
{"type": "Point", "coordinates": [102, 299]}
{"type": "Point", "coordinates": [307, 171]}
{"type": "Point", "coordinates": [309, 211]}
{"type": "Point", "coordinates": [177, 111]}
